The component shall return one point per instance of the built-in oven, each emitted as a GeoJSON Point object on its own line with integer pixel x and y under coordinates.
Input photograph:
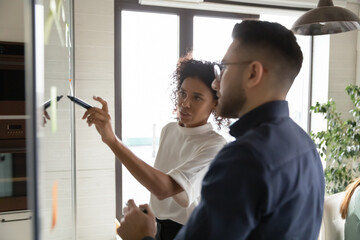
{"type": "Point", "coordinates": [13, 160]}
{"type": "Point", "coordinates": [13, 177]}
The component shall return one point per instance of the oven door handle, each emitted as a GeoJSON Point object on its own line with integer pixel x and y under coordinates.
{"type": "Point", "coordinates": [15, 220]}
{"type": "Point", "coordinates": [13, 150]}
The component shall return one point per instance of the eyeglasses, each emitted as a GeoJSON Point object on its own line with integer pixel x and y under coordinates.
{"type": "Point", "coordinates": [219, 68]}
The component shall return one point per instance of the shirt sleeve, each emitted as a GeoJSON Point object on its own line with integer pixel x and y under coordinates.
{"type": "Point", "coordinates": [232, 192]}
{"type": "Point", "coordinates": [190, 174]}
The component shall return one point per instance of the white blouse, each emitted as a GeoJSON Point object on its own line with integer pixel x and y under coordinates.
{"type": "Point", "coordinates": [184, 154]}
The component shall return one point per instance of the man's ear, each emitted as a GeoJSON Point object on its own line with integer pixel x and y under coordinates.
{"type": "Point", "coordinates": [255, 74]}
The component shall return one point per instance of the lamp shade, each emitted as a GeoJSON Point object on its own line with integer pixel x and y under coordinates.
{"type": "Point", "coordinates": [326, 19]}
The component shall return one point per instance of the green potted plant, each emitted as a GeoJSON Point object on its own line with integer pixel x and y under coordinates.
{"type": "Point", "coordinates": [339, 144]}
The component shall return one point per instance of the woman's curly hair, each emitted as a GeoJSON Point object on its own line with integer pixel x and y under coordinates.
{"type": "Point", "coordinates": [203, 70]}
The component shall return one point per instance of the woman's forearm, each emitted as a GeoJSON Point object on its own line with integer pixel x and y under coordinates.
{"type": "Point", "coordinates": [157, 182]}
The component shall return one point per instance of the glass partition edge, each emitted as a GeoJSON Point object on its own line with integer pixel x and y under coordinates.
{"type": "Point", "coordinates": [72, 125]}
{"type": "Point", "coordinates": [30, 96]}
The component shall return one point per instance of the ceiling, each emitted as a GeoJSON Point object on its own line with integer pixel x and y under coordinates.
{"type": "Point", "coordinates": [287, 3]}
{"type": "Point", "coordinates": [248, 6]}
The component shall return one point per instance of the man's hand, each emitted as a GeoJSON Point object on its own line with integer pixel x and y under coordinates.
{"type": "Point", "coordinates": [136, 224]}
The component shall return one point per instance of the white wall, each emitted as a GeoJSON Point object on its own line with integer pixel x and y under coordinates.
{"type": "Point", "coordinates": [343, 65]}
{"type": "Point", "coordinates": [94, 76]}
{"type": "Point", "coordinates": [12, 21]}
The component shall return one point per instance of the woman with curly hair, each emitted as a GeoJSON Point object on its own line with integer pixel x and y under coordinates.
{"type": "Point", "coordinates": [186, 148]}
{"type": "Point", "coordinates": [350, 211]}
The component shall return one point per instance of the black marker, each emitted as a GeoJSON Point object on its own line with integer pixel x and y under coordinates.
{"type": "Point", "coordinates": [48, 102]}
{"type": "Point", "coordinates": [79, 102]}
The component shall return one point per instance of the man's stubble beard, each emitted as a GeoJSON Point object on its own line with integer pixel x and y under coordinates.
{"type": "Point", "coordinates": [231, 101]}
{"type": "Point", "coordinates": [231, 108]}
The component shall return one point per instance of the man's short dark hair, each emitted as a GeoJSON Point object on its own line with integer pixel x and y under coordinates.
{"type": "Point", "coordinates": [274, 38]}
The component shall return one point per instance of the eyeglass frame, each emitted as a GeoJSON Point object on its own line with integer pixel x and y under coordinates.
{"type": "Point", "coordinates": [218, 68]}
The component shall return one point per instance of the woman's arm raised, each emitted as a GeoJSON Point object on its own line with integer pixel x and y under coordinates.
{"type": "Point", "coordinates": [157, 182]}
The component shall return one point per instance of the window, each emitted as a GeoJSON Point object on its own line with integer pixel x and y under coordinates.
{"type": "Point", "coordinates": [211, 43]}
{"type": "Point", "coordinates": [149, 56]}
{"type": "Point", "coordinates": [299, 95]}
{"type": "Point", "coordinates": [152, 39]}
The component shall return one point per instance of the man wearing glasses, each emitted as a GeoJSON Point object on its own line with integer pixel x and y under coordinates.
{"type": "Point", "coordinates": [269, 182]}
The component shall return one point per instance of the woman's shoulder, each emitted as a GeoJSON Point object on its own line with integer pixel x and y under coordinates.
{"type": "Point", "coordinates": [170, 125]}
{"type": "Point", "coordinates": [212, 139]}
{"type": "Point", "coordinates": [217, 135]}
{"type": "Point", "coordinates": [168, 128]}
{"type": "Point", "coordinates": [205, 133]}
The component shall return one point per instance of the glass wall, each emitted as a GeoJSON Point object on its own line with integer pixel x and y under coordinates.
{"type": "Point", "coordinates": [36, 147]}
{"type": "Point", "coordinates": [56, 168]}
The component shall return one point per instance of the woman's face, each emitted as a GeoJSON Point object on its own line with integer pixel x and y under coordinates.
{"type": "Point", "coordinates": [195, 102]}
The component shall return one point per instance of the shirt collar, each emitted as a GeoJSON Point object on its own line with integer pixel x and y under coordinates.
{"type": "Point", "coordinates": [195, 130]}
{"type": "Point", "coordinates": [275, 109]}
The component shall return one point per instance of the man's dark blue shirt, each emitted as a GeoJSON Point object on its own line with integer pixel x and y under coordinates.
{"type": "Point", "coordinates": [267, 184]}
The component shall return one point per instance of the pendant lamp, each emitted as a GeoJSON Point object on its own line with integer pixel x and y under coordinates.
{"type": "Point", "coordinates": [326, 19]}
